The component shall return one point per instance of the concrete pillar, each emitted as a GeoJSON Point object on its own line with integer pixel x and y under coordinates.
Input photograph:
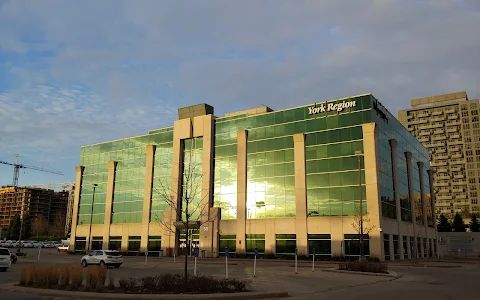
{"type": "Point", "coordinates": [76, 203]}
{"type": "Point", "coordinates": [430, 173]}
{"type": "Point", "coordinates": [241, 191]}
{"type": "Point", "coordinates": [107, 221]}
{"type": "Point", "coordinates": [408, 157]}
{"type": "Point", "coordinates": [182, 129]}
{"type": "Point", "coordinates": [300, 193]}
{"type": "Point", "coordinates": [398, 211]}
{"type": "Point", "coordinates": [409, 248]}
{"type": "Point", "coordinates": [390, 245]}
{"type": "Point", "coordinates": [372, 189]}
{"type": "Point", "coordinates": [203, 127]}
{"type": "Point", "coordinates": [147, 196]}
{"type": "Point", "coordinates": [424, 206]}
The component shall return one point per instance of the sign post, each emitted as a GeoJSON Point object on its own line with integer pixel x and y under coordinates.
{"type": "Point", "coordinates": [226, 262]}
{"type": "Point", "coordinates": [255, 263]}
{"type": "Point", "coordinates": [296, 254]}
{"type": "Point", "coordinates": [313, 261]}
{"type": "Point", "coordinates": [39, 249]}
{"type": "Point", "coordinates": [146, 255]}
{"type": "Point", "coordinates": [195, 253]}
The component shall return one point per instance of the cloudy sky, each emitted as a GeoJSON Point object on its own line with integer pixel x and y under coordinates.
{"type": "Point", "coordinates": [81, 72]}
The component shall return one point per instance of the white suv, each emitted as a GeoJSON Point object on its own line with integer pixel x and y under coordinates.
{"type": "Point", "coordinates": [4, 259]}
{"type": "Point", "coordinates": [103, 258]}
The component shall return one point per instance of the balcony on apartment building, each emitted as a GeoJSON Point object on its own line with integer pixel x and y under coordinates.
{"type": "Point", "coordinates": [440, 156]}
{"type": "Point", "coordinates": [409, 116]}
{"type": "Point", "coordinates": [441, 170]}
{"type": "Point", "coordinates": [457, 155]}
{"type": "Point", "coordinates": [455, 142]}
{"type": "Point", "coordinates": [439, 131]}
{"type": "Point", "coordinates": [416, 122]}
{"type": "Point", "coordinates": [438, 163]}
{"type": "Point", "coordinates": [440, 150]}
{"type": "Point", "coordinates": [443, 177]}
{"type": "Point", "coordinates": [424, 133]}
{"type": "Point", "coordinates": [452, 123]}
{"type": "Point", "coordinates": [455, 136]}
{"type": "Point", "coordinates": [458, 176]}
{"type": "Point", "coordinates": [457, 162]}
{"type": "Point", "coordinates": [444, 197]}
{"type": "Point", "coordinates": [451, 111]}
{"type": "Point", "coordinates": [440, 184]}
{"type": "Point", "coordinates": [459, 182]}
{"type": "Point", "coordinates": [439, 138]}
{"type": "Point", "coordinates": [424, 139]}
{"type": "Point", "coordinates": [437, 112]}
{"type": "Point", "coordinates": [458, 190]}
{"type": "Point", "coordinates": [437, 119]}
{"type": "Point", "coordinates": [456, 169]}
{"type": "Point", "coordinates": [454, 149]}
{"type": "Point", "coordinates": [451, 129]}
{"type": "Point", "coordinates": [423, 114]}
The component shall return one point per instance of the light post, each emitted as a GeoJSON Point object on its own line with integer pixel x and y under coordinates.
{"type": "Point", "coordinates": [89, 244]}
{"type": "Point", "coordinates": [359, 155]}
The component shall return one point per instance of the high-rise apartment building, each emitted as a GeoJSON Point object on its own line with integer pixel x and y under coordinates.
{"type": "Point", "coordinates": [448, 126]}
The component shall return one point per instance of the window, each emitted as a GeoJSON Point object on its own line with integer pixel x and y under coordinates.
{"type": "Point", "coordinates": [255, 241]}
{"type": "Point", "coordinates": [80, 243]}
{"type": "Point", "coordinates": [285, 244]}
{"type": "Point", "coordinates": [386, 246]}
{"type": "Point", "coordinates": [134, 243]}
{"type": "Point", "coordinates": [352, 246]}
{"type": "Point", "coordinates": [474, 201]}
{"type": "Point", "coordinates": [228, 241]}
{"type": "Point", "coordinates": [154, 244]}
{"type": "Point", "coordinates": [322, 243]}
{"type": "Point", "coordinates": [115, 243]}
{"type": "Point", "coordinates": [97, 243]}
{"type": "Point", "coordinates": [396, 247]}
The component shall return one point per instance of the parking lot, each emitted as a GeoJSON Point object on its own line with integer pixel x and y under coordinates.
{"type": "Point", "coordinates": [438, 280]}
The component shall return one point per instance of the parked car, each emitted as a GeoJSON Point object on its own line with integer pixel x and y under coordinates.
{"type": "Point", "coordinates": [4, 259]}
{"type": "Point", "coordinates": [103, 258]}
{"type": "Point", "coordinates": [62, 248]}
{"type": "Point", "coordinates": [37, 244]}
{"type": "Point", "coordinates": [27, 244]}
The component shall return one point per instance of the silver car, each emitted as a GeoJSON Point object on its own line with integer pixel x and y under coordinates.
{"type": "Point", "coordinates": [102, 258]}
{"type": "Point", "coordinates": [4, 259]}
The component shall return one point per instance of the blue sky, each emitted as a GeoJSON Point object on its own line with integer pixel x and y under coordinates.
{"type": "Point", "coordinates": [81, 72]}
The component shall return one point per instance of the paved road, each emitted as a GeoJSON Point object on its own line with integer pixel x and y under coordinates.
{"type": "Point", "coordinates": [416, 283]}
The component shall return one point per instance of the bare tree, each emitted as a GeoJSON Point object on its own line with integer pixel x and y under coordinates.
{"type": "Point", "coordinates": [40, 225]}
{"type": "Point", "coordinates": [57, 228]}
{"type": "Point", "coordinates": [361, 223]}
{"type": "Point", "coordinates": [187, 204]}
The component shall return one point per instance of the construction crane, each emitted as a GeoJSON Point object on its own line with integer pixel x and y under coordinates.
{"type": "Point", "coordinates": [17, 167]}
{"type": "Point", "coordinates": [16, 172]}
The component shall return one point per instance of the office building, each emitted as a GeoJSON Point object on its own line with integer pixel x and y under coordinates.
{"type": "Point", "coordinates": [272, 180]}
{"type": "Point", "coordinates": [448, 126]}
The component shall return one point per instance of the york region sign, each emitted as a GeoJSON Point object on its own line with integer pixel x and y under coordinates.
{"type": "Point", "coordinates": [331, 106]}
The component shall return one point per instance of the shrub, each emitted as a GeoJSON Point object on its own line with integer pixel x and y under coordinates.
{"type": "Point", "coordinates": [76, 277]}
{"type": "Point", "coordinates": [64, 276]}
{"type": "Point", "coordinates": [365, 266]}
{"type": "Point", "coordinates": [52, 276]}
{"type": "Point", "coordinates": [111, 281]}
{"type": "Point", "coordinates": [95, 278]}
{"type": "Point", "coordinates": [128, 284]}
{"type": "Point", "coordinates": [24, 277]}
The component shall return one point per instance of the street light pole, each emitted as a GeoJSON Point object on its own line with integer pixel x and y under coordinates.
{"type": "Point", "coordinates": [359, 155]}
{"type": "Point", "coordinates": [89, 244]}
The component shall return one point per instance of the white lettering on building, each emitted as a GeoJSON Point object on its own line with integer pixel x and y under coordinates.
{"type": "Point", "coordinates": [331, 106]}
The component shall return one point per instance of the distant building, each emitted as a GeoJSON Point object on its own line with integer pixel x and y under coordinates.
{"type": "Point", "coordinates": [35, 201]}
{"type": "Point", "coordinates": [448, 126]}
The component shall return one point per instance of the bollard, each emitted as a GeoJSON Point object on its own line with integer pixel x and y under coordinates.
{"type": "Point", "coordinates": [39, 249]}
{"type": "Point", "coordinates": [173, 257]}
{"type": "Point", "coordinates": [296, 254]}
{"type": "Point", "coordinates": [313, 261]}
{"type": "Point", "coordinates": [146, 255]}
{"type": "Point", "coordinates": [195, 254]}
{"type": "Point", "coordinates": [226, 263]}
{"type": "Point", "coordinates": [255, 263]}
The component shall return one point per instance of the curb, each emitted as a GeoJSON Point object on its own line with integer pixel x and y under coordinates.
{"type": "Point", "coordinates": [13, 287]}
{"type": "Point", "coordinates": [390, 274]}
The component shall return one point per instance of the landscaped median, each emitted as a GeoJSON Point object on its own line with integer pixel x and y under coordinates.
{"type": "Point", "coordinates": [364, 268]}
{"type": "Point", "coordinates": [97, 282]}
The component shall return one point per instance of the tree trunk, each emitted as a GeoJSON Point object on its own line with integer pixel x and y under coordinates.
{"type": "Point", "coordinates": [186, 252]}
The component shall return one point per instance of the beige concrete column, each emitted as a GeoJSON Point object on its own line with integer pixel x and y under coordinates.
{"type": "Point", "coordinates": [432, 200]}
{"type": "Point", "coordinates": [300, 193]}
{"type": "Point", "coordinates": [398, 211]}
{"type": "Point", "coordinates": [372, 187]}
{"type": "Point", "coordinates": [76, 202]}
{"type": "Point", "coordinates": [203, 127]}
{"type": "Point", "coordinates": [147, 196]}
{"type": "Point", "coordinates": [107, 221]}
{"type": "Point", "coordinates": [241, 190]}
{"type": "Point", "coordinates": [182, 129]}
{"type": "Point", "coordinates": [424, 206]}
{"type": "Point", "coordinates": [408, 157]}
